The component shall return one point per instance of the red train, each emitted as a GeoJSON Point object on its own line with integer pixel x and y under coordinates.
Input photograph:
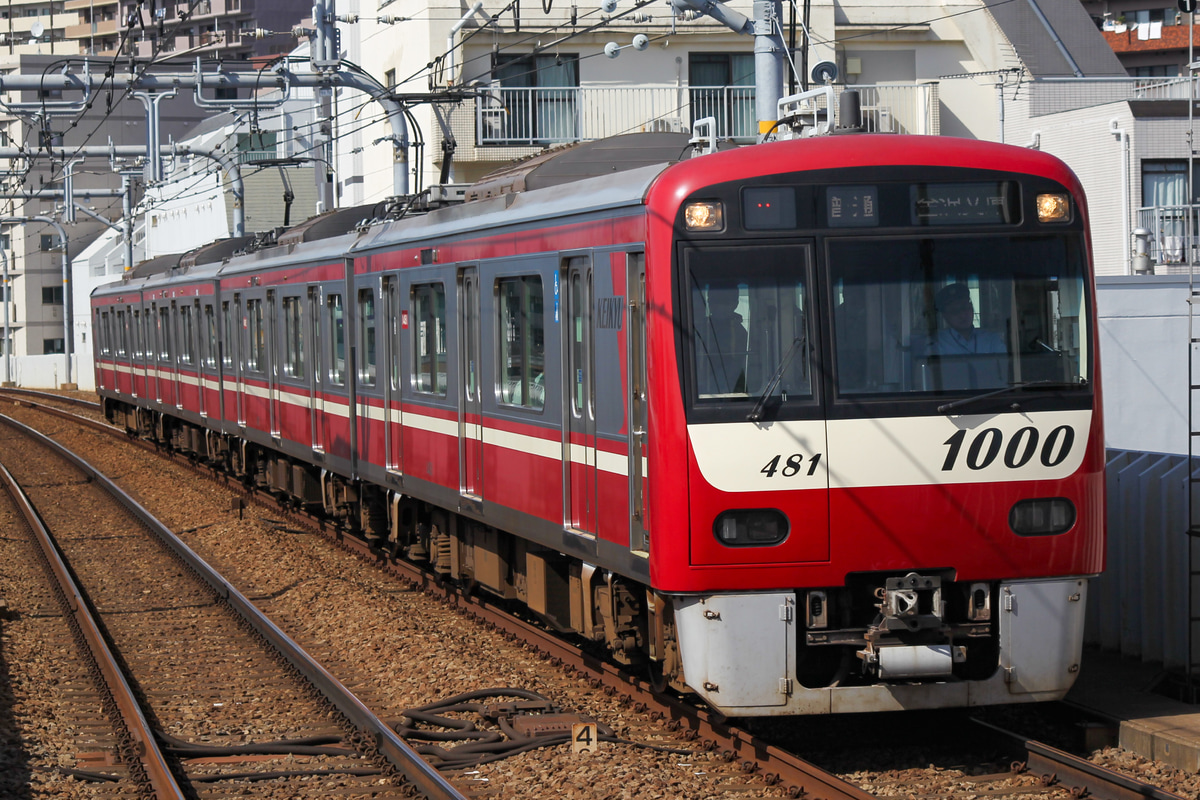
{"type": "Point", "coordinates": [805, 427]}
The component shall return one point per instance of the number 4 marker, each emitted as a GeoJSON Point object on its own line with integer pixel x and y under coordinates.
{"type": "Point", "coordinates": [584, 738]}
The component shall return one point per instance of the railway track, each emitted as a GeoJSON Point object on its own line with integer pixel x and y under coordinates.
{"type": "Point", "coordinates": [1031, 771]}
{"type": "Point", "coordinates": [190, 663]}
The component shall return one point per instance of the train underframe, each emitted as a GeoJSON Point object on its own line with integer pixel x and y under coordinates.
{"type": "Point", "coordinates": [882, 641]}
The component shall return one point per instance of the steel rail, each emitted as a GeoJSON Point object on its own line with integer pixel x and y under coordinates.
{"type": "Point", "coordinates": [422, 775]}
{"type": "Point", "coordinates": [1080, 774]}
{"type": "Point", "coordinates": [775, 764]}
{"type": "Point", "coordinates": [154, 764]}
{"type": "Point", "coordinates": [61, 398]}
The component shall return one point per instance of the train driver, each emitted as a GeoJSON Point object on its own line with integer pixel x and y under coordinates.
{"type": "Point", "coordinates": [971, 358]}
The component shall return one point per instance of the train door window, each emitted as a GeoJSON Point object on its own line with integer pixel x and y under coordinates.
{"type": "Point", "coordinates": [186, 334]}
{"type": "Point", "coordinates": [522, 341]}
{"type": "Point", "coordinates": [256, 344]}
{"type": "Point", "coordinates": [366, 336]}
{"type": "Point", "coordinates": [579, 358]}
{"type": "Point", "coordinates": [210, 337]}
{"type": "Point", "coordinates": [102, 331]}
{"type": "Point", "coordinates": [393, 316]}
{"type": "Point", "coordinates": [230, 321]}
{"type": "Point", "coordinates": [429, 341]}
{"type": "Point", "coordinates": [164, 334]}
{"type": "Point", "coordinates": [337, 332]}
{"type": "Point", "coordinates": [121, 344]}
{"type": "Point", "coordinates": [148, 347]}
{"type": "Point", "coordinates": [293, 338]}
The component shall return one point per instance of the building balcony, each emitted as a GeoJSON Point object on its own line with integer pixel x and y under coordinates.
{"type": "Point", "coordinates": [1173, 248]}
{"type": "Point", "coordinates": [521, 118]}
{"type": "Point", "coordinates": [97, 27]}
{"type": "Point", "coordinates": [1055, 95]}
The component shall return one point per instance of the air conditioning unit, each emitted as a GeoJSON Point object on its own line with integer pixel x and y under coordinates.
{"type": "Point", "coordinates": [664, 125]}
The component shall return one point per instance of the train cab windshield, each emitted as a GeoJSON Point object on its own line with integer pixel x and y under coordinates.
{"type": "Point", "coordinates": [750, 328]}
{"type": "Point", "coordinates": [957, 315]}
{"type": "Point", "coordinates": [893, 318]}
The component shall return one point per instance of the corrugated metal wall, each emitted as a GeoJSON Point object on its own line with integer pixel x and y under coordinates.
{"type": "Point", "coordinates": [1139, 606]}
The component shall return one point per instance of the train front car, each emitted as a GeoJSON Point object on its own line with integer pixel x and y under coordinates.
{"type": "Point", "coordinates": [887, 394]}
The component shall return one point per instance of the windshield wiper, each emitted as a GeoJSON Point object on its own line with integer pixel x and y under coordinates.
{"type": "Point", "coordinates": [1011, 388]}
{"type": "Point", "coordinates": [756, 413]}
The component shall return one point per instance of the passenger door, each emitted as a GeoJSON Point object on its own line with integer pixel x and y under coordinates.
{"type": "Point", "coordinates": [393, 412]}
{"type": "Point", "coordinates": [272, 365]}
{"type": "Point", "coordinates": [639, 522]}
{"type": "Point", "coordinates": [579, 434]}
{"type": "Point", "coordinates": [470, 402]}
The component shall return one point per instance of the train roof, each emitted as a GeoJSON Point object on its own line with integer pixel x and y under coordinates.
{"type": "Point", "coordinates": [589, 196]}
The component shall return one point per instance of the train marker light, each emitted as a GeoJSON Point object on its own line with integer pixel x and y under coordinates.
{"type": "Point", "coordinates": [1042, 517]}
{"type": "Point", "coordinates": [1053, 208]}
{"type": "Point", "coordinates": [704, 216]}
{"type": "Point", "coordinates": [756, 527]}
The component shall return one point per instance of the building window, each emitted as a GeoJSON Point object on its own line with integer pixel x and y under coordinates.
{"type": "Point", "coordinates": [389, 78]}
{"type": "Point", "coordinates": [1164, 183]}
{"type": "Point", "coordinates": [47, 242]}
{"type": "Point", "coordinates": [722, 87]}
{"type": "Point", "coordinates": [522, 341]}
{"type": "Point", "coordinates": [53, 346]}
{"type": "Point", "coordinates": [52, 295]}
{"type": "Point", "coordinates": [538, 94]}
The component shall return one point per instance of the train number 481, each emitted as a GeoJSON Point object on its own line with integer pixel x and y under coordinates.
{"type": "Point", "coordinates": [794, 464]}
{"type": "Point", "coordinates": [987, 444]}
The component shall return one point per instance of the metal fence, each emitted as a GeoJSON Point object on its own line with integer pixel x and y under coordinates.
{"type": "Point", "coordinates": [536, 116]}
{"type": "Point", "coordinates": [1139, 606]}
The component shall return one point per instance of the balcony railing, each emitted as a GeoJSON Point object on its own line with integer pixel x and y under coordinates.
{"type": "Point", "coordinates": [523, 116]}
{"type": "Point", "coordinates": [1171, 248]}
{"type": "Point", "coordinates": [1054, 95]}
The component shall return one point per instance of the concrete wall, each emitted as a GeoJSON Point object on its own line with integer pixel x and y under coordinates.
{"type": "Point", "coordinates": [1143, 362]}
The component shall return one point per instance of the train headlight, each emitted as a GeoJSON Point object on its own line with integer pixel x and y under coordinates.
{"type": "Point", "coordinates": [1042, 517]}
{"type": "Point", "coordinates": [1054, 207]}
{"type": "Point", "coordinates": [755, 527]}
{"type": "Point", "coordinates": [704, 216]}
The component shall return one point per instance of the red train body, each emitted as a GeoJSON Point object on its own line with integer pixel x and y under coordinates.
{"type": "Point", "coordinates": [716, 415]}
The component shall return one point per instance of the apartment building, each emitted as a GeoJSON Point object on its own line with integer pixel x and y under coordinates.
{"type": "Point", "coordinates": [209, 28]}
{"type": "Point", "coordinates": [1150, 37]}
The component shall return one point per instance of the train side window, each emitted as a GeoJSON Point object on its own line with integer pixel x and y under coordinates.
{"type": "Point", "coordinates": [366, 336]}
{"type": "Point", "coordinates": [337, 329]}
{"type": "Point", "coordinates": [256, 346]}
{"type": "Point", "coordinates": [186, 333]}
{"type": "Point", "coordinates": [210, 327]}
{"type": "Point", "coordinates": [521, 335]}
{"type": "Point", "coordinates": [293, 338]}
{"type": "Point", "coordinates": [101, 332]}
{"type": "Point", "coordinates": [429, 341]}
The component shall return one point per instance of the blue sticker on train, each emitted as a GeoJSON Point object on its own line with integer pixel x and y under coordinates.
{"type": "Point", "coordinates": [556, 297]}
